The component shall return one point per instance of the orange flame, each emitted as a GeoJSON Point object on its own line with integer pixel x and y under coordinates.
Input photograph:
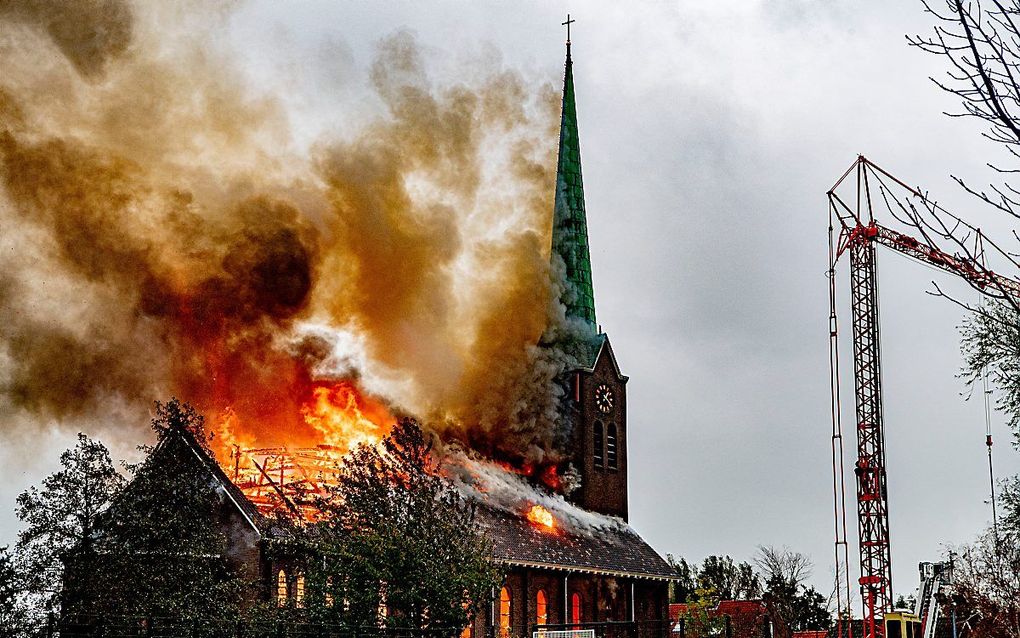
{"type": "Point", "coordinates": [541, 517]}
{"type": "Point", "coordinates": [345, 418]}
{"type": "Point", "coordinates": [339, 418]}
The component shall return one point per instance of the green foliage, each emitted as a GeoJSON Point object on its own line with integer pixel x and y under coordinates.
{"type": "Point", "coordinates": [61, 516]}
{"type": "Point", "coordinates": [795, 607]}
{"type": "Point", "coordinates": [729, 580]}
{"type": "Point", "coordinates": [681, 589]}
{"type": "Point", "coordinates": [163, 550]}
{"type": "Point", "coordinates": [718, 575]}
{"type": "Point", "coordinates": [905, 602]}
{"type": "Point", "coordinates": [991, 342]}
{"type": "Point", "coordinates": [13, 615]}
{"type": "Point", "coordinates": [395, 533]}
{"type": "Point", "coordinates": [789, 603]}
{"type": "Point", "coordinates": [698, 617]}
{"type": "Point", "coordinates": [1009, 499]}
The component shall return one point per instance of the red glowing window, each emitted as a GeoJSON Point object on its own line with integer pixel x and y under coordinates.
{"type": "Point", "coordinates": [575, 608]}
{"type": "Point", "coordinates": [504, 612]}
{"type": "Point", "coordinates": [541, 608]}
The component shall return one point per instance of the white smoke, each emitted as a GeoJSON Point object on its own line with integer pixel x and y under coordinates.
{"type": "Point", "coordinates": [481, 480]}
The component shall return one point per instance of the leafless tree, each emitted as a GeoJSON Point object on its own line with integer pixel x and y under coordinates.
{"type": "Point", "coordinates": [784, 563]}
{"type": "Point", "coordinates": [986, 588]}
{"type": "Point", "coordinates": [980, 42]}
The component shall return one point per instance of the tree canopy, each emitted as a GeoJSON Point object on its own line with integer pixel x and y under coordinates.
{"type": "Point", "coordinates": [60, 517]}
{"type": "Point", "coordinates": [778, 581]}
{"type": "Point", "coordinates": [397, 538]}
{"type": "Point", "coordinates": [165, 553]}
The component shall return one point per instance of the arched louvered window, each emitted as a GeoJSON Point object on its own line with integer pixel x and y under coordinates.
{"type": "Point", "coordinates": [541, 608]}
{"type": "Point", "coordinates": [611, 451]}
{"type": "Point", "coordinates": [328, 598]}
{"type": "Point", "coordinates": [504, 613]}
{"type": "Point", "coordinates": [598, 444]}
{"type": "Point", "coordinates": [281, 588]}
{"type": "Point", "coordinates": [299, 590]}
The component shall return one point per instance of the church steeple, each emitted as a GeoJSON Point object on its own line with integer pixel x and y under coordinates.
{"type": "Point", "coordinates": [570, 226]}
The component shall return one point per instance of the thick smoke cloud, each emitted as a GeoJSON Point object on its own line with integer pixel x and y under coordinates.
{"type": "Point", "coordinates": [88, 32]}
{"type": "Point", "coordinates": [168, 236]}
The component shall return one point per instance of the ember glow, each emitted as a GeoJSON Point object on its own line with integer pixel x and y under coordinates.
{"type": "Point", "coordinates": [541, 517]}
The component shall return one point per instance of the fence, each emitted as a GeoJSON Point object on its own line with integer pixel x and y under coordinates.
{"type": "Point", "coordinates": [609, 629]}
{"type": "Point", "coordinates": [136, 627]}
{"type": "Point", "coordinates": [154, 627]}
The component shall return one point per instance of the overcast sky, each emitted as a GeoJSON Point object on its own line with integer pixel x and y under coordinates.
{"type": "Point", "coordinates": [710, 132]}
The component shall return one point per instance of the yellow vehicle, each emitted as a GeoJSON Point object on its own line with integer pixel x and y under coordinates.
{"type": "Point", "coordinates": [901, 623]}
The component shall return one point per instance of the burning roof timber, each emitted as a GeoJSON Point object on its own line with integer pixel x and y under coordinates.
{"type": "Point", "coordinates": [528, 526]}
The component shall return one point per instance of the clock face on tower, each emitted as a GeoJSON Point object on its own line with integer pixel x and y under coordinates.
{"type": "Point", "coordinates": [604, 398]}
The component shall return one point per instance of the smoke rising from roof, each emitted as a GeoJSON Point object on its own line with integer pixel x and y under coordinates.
{"type": "Point", "coordinates": [165, 234]}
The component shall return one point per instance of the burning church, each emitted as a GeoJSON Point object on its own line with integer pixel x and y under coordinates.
{"type": "Point", "coordinates": [558, 526]}
{"type": "Point", "coordinates": [573, 560]}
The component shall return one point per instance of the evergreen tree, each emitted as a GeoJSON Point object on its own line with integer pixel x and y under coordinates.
{"type": "Point", "coordinates": [790, 603]}
{"type": "Point", "coordinates": [13, 617]}
{"type": "Point", "coordinates": [681, 589]}
{"type": "Point", "coordinates": [398, 545]}
{"type": "Point", "coordinates": [164, 548]}
{"type": "Point", "coordinates": [718, 576]}
{"type": "Point", "coordinates": [698, 616]}
{"type": "Point", "coordinates": [60, 517]}
{"type": "Point", "coordinates": [729, 580]}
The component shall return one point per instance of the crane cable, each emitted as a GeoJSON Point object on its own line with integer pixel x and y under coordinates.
{"type": "Point", "coordinates": [988, 410]}
{"type": "Point", "coordinates": [842, 558]}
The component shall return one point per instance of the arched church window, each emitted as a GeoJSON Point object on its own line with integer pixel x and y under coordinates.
{"type": "Point", "coordinates": [541, 608]}
{"type": "Point", "coordinates": [611, 452]}
{"type": "Point", "coordinates": [575, 609]}
{"type": "Point", "coordinates": [329, 591]}
{"type": "Point", "coordinates": [504, 612]}
{"type": "Point", "coordinates": [469, 629]}
{"type": "Point", "coordinates": [281, 588]}
{"type": "Point", "coordinates": [598, 444]}
{"type": "Point", "coordinates": [383, 610]}
{"type": "Point", "coordinates": [299, 590]}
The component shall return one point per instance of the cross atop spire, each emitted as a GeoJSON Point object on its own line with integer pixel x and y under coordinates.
{"type": "Point", "coordinates": [567, 24]}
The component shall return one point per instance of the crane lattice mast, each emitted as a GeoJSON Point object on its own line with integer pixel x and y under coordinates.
{"type": "Point", "coordinates": [859, 234]}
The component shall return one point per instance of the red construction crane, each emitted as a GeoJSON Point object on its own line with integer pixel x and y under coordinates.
{"type": "Point", "coordinates": [858, 234]}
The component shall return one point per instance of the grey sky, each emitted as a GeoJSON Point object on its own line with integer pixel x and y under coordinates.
{"type": "Point", "coordinates": [709, 135]}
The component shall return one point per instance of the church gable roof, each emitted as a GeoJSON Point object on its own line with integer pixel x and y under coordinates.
{"type": "Point", "coordinates": [597, 350]}
{"type": "Point", "coordinates": [179, 441]}
{"type": "Point", "coordinates": [605, 353]}
{"type": "Point", "coordinates": [613, 550]}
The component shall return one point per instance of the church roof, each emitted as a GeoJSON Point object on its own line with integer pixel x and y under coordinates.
{"type": "Point", "coordinates": [614, 549]}
{"type": "Point", "coordinates": [570, 225]}
{"type": "Point", "coordinates": [181, 438]}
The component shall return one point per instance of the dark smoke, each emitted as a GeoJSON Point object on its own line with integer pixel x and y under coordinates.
{"type": "Point", "coordinates": [89, 33]}
{"type": "Point", "coordinates": [165, 238]}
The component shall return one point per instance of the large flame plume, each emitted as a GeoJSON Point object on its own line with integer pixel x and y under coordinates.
{"type": "Point", "coordinates": [164, 233]}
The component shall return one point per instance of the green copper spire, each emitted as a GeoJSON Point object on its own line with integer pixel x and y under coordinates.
{"type": "Point", "coordinates": [570, 226]}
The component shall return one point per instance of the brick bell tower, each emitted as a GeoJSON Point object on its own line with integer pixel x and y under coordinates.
{"type": "Point", "coordinates": [598, 402]}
